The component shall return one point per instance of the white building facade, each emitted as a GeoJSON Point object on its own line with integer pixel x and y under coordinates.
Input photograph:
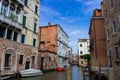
{"type": "Point", "coordinates": [62, 51]}
{"type": "Point", "coordinates": [83, 46]}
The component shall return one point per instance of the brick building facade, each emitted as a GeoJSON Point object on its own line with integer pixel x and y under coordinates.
{"type": "Point", "coordinates": [98, 41]}
{"type": "Point", "coordinates": [54, 39]}
{"type": "Point", "coordinates": [18, 35]}
{"type": "Point", "coordinates": [112, 26]}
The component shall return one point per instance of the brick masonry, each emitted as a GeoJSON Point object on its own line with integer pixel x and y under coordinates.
{"type": "Point", "coordinates": [15, 49]}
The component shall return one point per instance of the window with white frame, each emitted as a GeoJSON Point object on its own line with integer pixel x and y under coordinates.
{"type": "Point", "coordinates": [81, 62]}
{"type": "Point", "coordinates": [33, 59]}
{"type": "Point", "coordinates": [116, 52]}
{"type": "Point", "coordinates": [7, 60]}
{"type": "Point", "coordinates": [81, 52]}
{"type": "Point", "coordinates": [21, 59]}
{"type": "Point", "coordinates": [109, 58]}
{"type": "Point", "coordinates": [114, 27]}
{"type": "Point", "coordinates": [80, 45]}
{"type": "Point", "coordinates": [111, 3]}
{"type": "Point", "coordinates": [36, 9]}
{"type": "Point", "coordinates": [34, 42]}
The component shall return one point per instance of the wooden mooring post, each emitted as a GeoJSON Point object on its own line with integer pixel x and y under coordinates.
{"type": "Point", "coordinates": [0, 74]}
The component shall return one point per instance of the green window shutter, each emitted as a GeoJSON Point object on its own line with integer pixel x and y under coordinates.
{"type": "Point", "coordinates": [24, 21]}
{"type": "Point", "coordinates": [23, 38]}
{"type": "Point", "coordinates": [34, 42]}
{"type": "Point", "coordinates": [35, 26]}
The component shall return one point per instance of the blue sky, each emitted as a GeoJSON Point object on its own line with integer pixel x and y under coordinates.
{"type": "Point", "coordinates": [73, 16]}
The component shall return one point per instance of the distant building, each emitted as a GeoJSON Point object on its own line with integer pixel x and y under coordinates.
{"type": "Point", "coordinates": [19, 21]}
{"type": "Point", "coordinates": [54, 39]}
{"type": "Point", "coordinates": [112, 26]}
{"type": "Point", "coordinates": [83, 48]}
{"type": "Point", "coordinates": [98, 41]}
{"type": "Point", "coordinates": [70, 52]}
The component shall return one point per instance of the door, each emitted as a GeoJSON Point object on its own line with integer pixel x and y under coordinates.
{"type": "Point", "coordinates": [41, 63]}
{"type": "Point", "coordinates": [27, 66]}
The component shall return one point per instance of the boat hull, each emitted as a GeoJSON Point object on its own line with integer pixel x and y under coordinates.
{"type": "Point", "coordinates": [31, 73]}
{"type": "Point", "coordinates": [60, 69]}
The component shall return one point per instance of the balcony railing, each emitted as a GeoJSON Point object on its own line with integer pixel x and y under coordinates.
{"type": "Point", "coordinates": [21, 2]}
{"type": "Point", "coordinates": [11, 20]}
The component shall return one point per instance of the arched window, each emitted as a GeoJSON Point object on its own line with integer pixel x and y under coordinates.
{"type": "Point", "coordinates": [4, 7]}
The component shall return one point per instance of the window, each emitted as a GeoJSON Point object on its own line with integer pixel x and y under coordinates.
{"type": "Point", "coordinates": [35, 26]}
{"type": "Point", "coordinates": [111, 3]}
{"type": "Point", "coordinates": [49, 58]}
{"type": "Point", "coordinates": [114, 27]}
{"type": "Point", "coordinates": [26, 2]}
{"type": "Point", "coordinates": [81, 62]}
{"type": "Point", "coordinates": [23, 38]}
{"type": "Point", "coordinates": [9, 34]}
{"type": "Point", "coordinates": [106, 15]}
{"type": "Point", "coordinates": [116, 52]}
{"type": "Point", "coordinates": [81, 52]}
{"type": "Point", "coordinates": [21, 59]}
{"type": "Point", "coordinates": [33, 59]}
{"type": "Point", "coordinates": [4, 8]}
{"type": "Point", "coordinates": [109, 59]}
{"type": "Point", "coordinates": [34, 42]}
{"type": "Point", "coordinates": [108, 35]}
{"type": "Point", "coordinates": [24, 21]}
{"type": "Point", "coordinates": [7, 60]}
{"type": "Point", "coordinates": [2, 32]}
{"type": "Point", "coordinates": [15, 36]}
{"type": "Point", "coordinates": [80, 45]}
{"type": "Point", "coordinates": [36, 9]}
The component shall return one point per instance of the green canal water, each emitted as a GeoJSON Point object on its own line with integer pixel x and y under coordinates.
{"type": "Point", "coordinates": [73, 73]}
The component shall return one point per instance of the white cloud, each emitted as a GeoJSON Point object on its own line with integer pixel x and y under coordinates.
{"type": "Point", "coordinates": [89, 5]}
{"type": "Point", "coordinates": [75, 32]}
{"type": "Point", "coordinates": [48, 10]}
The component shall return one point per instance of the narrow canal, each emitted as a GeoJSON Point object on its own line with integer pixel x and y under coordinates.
{"type": "Point", "coordinates": [74, 73]}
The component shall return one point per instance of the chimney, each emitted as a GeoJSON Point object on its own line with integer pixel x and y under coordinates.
{"type": "Point", "coordinates": [49, 24]}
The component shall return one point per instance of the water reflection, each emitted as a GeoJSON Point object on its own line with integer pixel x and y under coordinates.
{"type": "Point", "coordinates": [68, 74]}
{"type": "Point", "coordinates": [54, 76]}
{"type": "Point", "coordinates": [72, 73]}
{"type": "Point", "coordinates": [76, 73]}
{"type": "Point", "coordinates": [47, 76]}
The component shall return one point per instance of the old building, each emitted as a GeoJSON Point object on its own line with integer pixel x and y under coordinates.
{"type": "Point", "coordinates": [112, 26]}
{"type": "Point", "coordinates": [83, 46]}
{"type": "Point", "coordinates": [18, 35]}
{"type": "Point", "coordinates": [98, 41]}
{"type": "Point", "coordinates": [70, 52]}
{"type": "Point", "coordinates": [83, 49]}
{"type": "Point", "coordinates": [55, 40]}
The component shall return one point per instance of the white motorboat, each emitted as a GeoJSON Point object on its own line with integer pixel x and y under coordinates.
{"type": "Point", "coordinates": [5, 77]}
{"type": "Point", "coordinates": [30, 72]}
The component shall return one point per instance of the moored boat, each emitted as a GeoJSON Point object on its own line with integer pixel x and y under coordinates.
{"type": "Point", "coordinates": [5, 77]}
{"type": "Point", "coordinates": [30, 72]}
{"type": "Point", "coordinates": [60, 69]}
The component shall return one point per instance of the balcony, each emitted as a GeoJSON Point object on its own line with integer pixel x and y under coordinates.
{"type": "Point", "coordinates": [21, 2]}
{"type": "Point", "coordinates": [10, 20]}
